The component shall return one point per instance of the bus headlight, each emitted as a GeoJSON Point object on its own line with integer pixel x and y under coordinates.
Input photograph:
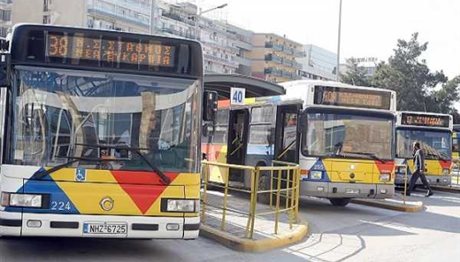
{"type": "Point", "coordinates": [22, 200]}
{"type": "Point", "coordinates": [181, 205]}
{"type": "Point", "coordinates": [445, 172]}
{"type": "Point", "coordinates": [385, 177]}
{"type": "Point", "coordinates": [316, 175]}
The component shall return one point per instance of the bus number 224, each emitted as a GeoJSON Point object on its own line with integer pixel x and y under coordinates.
{"type": "Point", "coordinates": [60, 205]}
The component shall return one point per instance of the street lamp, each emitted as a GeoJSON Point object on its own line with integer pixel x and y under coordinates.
{"type": "Point", "coordinates": [200, 12]}
{"type": "Point", "coordinates": [212, 9]}
{"type": "Point", "coordinates": [338, 41]}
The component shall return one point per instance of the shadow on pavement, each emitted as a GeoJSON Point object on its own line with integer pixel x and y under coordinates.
{"type": "Point", "coordinates": [339, 234]}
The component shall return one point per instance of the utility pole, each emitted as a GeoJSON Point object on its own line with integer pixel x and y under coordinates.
{"type": "Point", "coordinates": [152, 16]}
{"type": "Point", "coordinates": [338, 41]}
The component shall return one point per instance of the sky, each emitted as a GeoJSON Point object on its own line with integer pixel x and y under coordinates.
{"type": "Point", "coordinates": [370, 28]}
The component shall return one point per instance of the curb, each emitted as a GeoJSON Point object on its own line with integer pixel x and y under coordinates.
{"type": "Point", "coordinates": [248, 245]}
{"type": "Point", "coordinates": [446, 189]}
{"type": "Point", "coordinates": [390, 206]}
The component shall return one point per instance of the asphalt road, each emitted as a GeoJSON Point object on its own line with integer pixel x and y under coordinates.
{"type": "Point", "coordinates": [353, 233]}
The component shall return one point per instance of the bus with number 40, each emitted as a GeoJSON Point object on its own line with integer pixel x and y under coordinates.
{"type": "Point", "coordinates": [342, 137]}
{"type": "Point", "coordinates": [99, 135]}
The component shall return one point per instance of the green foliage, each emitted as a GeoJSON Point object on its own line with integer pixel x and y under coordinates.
{"type": "Point", "coordinates": [355, 75]}
{"type": "Point", "coordinates": [418, 89]}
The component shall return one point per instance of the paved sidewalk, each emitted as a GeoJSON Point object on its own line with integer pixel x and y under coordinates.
{"type": "Point", "coordinates": [234, 233]}
{"type": "Point", "coordinates": [398, 203]}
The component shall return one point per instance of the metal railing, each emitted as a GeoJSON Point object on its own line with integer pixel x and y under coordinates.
{"type": "Point", "coordinates": [455, 173]}
{"type": "Point", "coordinates": [282, 191]}
{"type": "Point", "coordinates": [405, 180]}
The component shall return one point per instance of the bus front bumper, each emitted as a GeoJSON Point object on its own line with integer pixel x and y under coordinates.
{"type": "Point", "coordinates": [346, 190]}
{"type": "Point", "coordinates": [432, 180]}
{"type": "Point", "coordinates": [137, 227]}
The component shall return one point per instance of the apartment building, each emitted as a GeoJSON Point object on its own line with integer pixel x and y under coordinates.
{"type": "Point", "coordinates": [274, 57]}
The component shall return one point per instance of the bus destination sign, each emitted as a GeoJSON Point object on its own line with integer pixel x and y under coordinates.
{"type": "Point", "coordinates": [327, 95]}
{"type": "Point", "coordinates": [425, 120]}
{"type": "Point", "coordinates": [107, 52]}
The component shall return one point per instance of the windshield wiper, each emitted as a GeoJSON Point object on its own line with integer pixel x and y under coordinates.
{"type": "Point", "coordinates": [439, 156]}
{"type": "Point", "coordinates": [166, 180]}
{"type": "Point", "coordinates": [43, 172]}
{"type": "Point", "coordinates": [372, 155]}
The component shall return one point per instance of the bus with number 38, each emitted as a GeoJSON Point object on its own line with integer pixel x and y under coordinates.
{"type": "Point", "coordinates": [98, 134]}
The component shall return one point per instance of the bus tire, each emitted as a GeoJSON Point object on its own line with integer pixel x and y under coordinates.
{"type": "Point", "coordinates": [339, 202]}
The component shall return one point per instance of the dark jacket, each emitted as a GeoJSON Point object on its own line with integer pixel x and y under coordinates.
{"type": "Point", "coordinates": [419, 161]}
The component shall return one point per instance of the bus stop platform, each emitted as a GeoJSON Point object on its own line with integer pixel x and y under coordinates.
{"type": "Point", "coordinates": [398, 202]}
{"type": "Point", "coordinates": [233, 233]}
{"type": "Point", "coordinates": [449, 189]}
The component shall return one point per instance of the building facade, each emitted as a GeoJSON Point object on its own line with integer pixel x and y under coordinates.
{"type": "Point", "coordinates": [318, 63]}
{"type": "Point", "coordinates": [5, 16]}
{"type": "Point", "coordinates": [274, 58]}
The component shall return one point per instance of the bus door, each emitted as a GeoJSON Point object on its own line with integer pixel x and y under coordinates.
{"type": "Point", "coordinates": [286, 138]}
{"type": "Point", "coordinates": [237, 141]}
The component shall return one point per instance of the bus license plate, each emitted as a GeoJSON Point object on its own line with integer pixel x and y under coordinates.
{"type": "Point", "coordinates": [105, 228]}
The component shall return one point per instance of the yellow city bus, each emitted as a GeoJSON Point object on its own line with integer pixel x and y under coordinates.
{"type": "Point", "coordinates": [456, 143]}
{"type": "Point", "coordinates": [434, 132]}
{"type": "Point", "coordinates": [342, 136]}
{"type": "Point", "coordinates": [98, 134]}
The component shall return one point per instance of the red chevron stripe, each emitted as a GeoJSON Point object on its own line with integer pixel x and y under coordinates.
{"type": "Point", "coordinates": [144, 188]}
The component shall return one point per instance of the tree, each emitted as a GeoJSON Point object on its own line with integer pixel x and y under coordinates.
{"type": "Point", "coordinates": [355, 75]}
{"type": "Point", "coordinates": [418, 89]}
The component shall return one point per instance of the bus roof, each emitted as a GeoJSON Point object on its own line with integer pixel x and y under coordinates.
{"type": "Point", "coordinates": [313, 92]}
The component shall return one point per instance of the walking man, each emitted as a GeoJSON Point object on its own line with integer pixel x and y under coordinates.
{"type": "Point", "coordinates": [419, 170]}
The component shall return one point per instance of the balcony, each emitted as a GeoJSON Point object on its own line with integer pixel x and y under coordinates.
{"type": "Point", "coordinates": [219, 60]}
{"type": "Point", "coordinates": [242, 60]}
{"type": "Point", "coordinates": [274, 46]}
{"type": "Point", "coordinates": [288, 50]}
{"type": "Point", "coordinates": [273, 71]}
{"type": "Point", "coordinates": [274, 58]}
{"type": "Point", "coordinates": [115, 15]}
{"type": "Point", "coordinates": [177, 17]}
{"type": "Point", "coordinates": [299, 53]}
{"type": "Point", "coordinates": [187, 34]}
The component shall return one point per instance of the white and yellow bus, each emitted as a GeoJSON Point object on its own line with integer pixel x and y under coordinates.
{"type": "Point", "coordinates": [99, 134]}
{"type": "Point", "coordinates": [342, 136]}
{"type": "Point", "coordinates": [434, 132]}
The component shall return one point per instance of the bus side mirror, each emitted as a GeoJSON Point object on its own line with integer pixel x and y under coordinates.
{"type": "Point", "coordinates": [209, 106]}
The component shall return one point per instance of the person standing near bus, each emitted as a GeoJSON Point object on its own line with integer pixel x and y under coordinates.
{"type": "Point", "coordinates": [419, 170]}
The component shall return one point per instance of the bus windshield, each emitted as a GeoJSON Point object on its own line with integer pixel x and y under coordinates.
{"type": "Point", "coordinates": [348, 135]}
{"type": "Point", "coordinates": [436, 144]}
{"type": "Point", "coordinates": [62, 115]}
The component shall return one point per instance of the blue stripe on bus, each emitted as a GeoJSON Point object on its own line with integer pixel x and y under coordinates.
{"type": "Point", "coordinates": [58, 202]}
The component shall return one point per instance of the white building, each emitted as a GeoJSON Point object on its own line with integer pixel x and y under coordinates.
{"type": "Point", "coordinates": [318, 63]}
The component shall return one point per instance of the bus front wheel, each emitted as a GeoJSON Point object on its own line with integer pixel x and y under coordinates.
{"type": "Point", "coordinates": [340, 202]}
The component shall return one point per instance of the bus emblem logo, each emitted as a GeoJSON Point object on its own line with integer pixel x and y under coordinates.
{"type": "Point", "coordinates": [80, 174]}
{"type": "Point", "coordinates": [107, 203]}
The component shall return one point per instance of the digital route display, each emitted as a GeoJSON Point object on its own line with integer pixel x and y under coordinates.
{"type": "Point", "coordinates": [363, 98]}
{"type": "Point", "coordinates": [424, 120]}
{"type": "Point", "coordinates": [107, 52]}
